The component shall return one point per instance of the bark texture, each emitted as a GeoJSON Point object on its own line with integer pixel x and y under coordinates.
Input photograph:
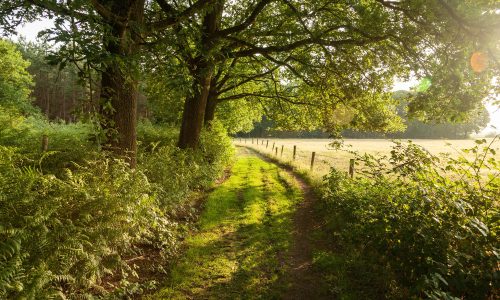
{"type": "Point", "coordinates": [119, 81]}
{"type": "Point", "coordinates": [201, 68]}
{"type": "Point", "coordinates": [211, 106]}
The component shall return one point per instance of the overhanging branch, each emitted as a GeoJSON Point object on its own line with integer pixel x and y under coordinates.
{"type": "Point", "coordinates": [238, 28]}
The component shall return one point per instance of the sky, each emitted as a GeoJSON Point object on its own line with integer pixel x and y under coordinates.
{"type": "Point", "coordinates": [30, 31]}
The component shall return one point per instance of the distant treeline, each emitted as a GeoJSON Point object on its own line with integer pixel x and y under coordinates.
{"type": "Point", "coordinates": [415, 129]}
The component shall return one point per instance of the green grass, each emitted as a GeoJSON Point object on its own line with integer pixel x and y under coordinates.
{"type": "Point", "coordinates": [244, 233]}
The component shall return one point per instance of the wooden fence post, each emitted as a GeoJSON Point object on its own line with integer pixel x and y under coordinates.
{"type": "Point", "coordinates": [351, 167]}
{"type": "Point", "coordinates": [267, 144]}
{"type": "Point", "coordinates": [294, 151]}
{"type": "Point", "coordinates": [45, 142]}
{"type": "Point", "coordinates": [312, 160]}
{"type": "Point", "coordinates": [273, 146]}
{"type": "Point", "coordinates": [276, 150]}
{"type": "Point", "coordinates": [282, 146]}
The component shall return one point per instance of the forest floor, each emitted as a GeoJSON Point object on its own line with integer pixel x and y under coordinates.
{"type": "Point", "coordinates": [255, 239]}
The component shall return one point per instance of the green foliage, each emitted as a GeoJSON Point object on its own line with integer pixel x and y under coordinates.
{"type": "Point", "coordinates": [70, 217]}
{"type": "Point", "coordinates": [238, 116]}
{"type": "Point", "coordinates": [331, 65]}
{"type": "Point", "coordinates": [60, 91]}
{"type": "Point", "coordinates": [15, 81]}
{"type": "Point", "coordinates": [413, 225]}
{"type": "Point", "coordinates": [216, 150]}
{"type": "Point", "coordinates": [64, 235]}
{"type": "Point", "coordinates": [174, 172]}
{"type": "Point", "coordinates": [151, 135]}
{"type": "Point", "coordinates": [67, 143]}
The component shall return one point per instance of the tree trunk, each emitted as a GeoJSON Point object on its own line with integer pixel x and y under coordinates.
{"type": "Point", "coordinates": [211, 106]}
{"type": "Point", "coordinates": [194, 113]}
{"type": "Point", "coordinates": [119, 109]}
{"type": "Point", "coordinates": [201, 68]}
{"type": "Point", "coordinates": [119, 82]}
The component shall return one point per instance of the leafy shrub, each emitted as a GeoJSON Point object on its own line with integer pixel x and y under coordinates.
{"type": "Point", "coordinates": [216, 151]}
{"type": "Point", "coordinates": [173, 172]}
{"type": "Point", "coordinates": [67, 143]}
{"type": "Point", "coordinates": [415, 226]}
{"type": "Point", "coordinates": [63, 235]}
{"type": "Point", "coordinates": [70, 216]}
{"type": "Point", "coordinates": [152, 135]}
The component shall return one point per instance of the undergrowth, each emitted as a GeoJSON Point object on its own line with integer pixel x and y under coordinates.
{"type": "Point", "coordinates": [73, 219]}
{"type": "Point", "coordinates": [414, 226]}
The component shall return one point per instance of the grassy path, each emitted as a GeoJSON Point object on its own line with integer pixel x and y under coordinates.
{"type": "Point", "coordinates": [245, 240]}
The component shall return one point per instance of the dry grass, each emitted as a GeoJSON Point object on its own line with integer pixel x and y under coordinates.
{"type": "Point", "coordinates": [326, 157]}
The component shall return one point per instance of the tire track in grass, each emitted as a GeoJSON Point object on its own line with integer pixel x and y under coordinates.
{"type": "Point", "coordinates": [304, 281]}
{"type": "Point", "coordinates": [240, 249]}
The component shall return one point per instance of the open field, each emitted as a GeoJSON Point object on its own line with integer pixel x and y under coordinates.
{"type": "Point", "coordinates": [326, 157]}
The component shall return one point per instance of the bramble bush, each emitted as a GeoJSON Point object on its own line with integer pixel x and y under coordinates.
{"type": "Point", "coordinates": [414, 226]}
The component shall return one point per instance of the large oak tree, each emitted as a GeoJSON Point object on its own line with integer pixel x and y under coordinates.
{"type": "Point", "coordinates": [329, 63]}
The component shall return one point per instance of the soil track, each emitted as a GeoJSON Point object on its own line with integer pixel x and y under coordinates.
{"type": "Point", "coordinates": [305, 282]}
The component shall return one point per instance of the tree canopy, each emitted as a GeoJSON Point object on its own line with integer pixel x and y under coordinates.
{"type": "Point", "coordinates": [319, 64]}
{"type": "Point", "coordinates": [305, 64]}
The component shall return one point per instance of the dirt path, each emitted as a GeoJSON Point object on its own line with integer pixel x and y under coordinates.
{"type": "Point", "coordinates": [304, 281]}
{"type": "Point", "coordinates": [255, 239]}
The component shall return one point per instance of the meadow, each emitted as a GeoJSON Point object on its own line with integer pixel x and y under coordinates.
{"type": "Point", "coordinates": [326, 156]}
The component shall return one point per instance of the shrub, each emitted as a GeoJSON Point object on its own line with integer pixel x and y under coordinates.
{"type": "Point", "coordinates": [173, 172]}
{"type": "Point", "coordinates": [415, 226]}
{"type": "Point", "coordinates": [62, 235]}
{"type": "Point", "coordinates": [152, 135]}
{"type": "Point", "coordinates": [67, 143]}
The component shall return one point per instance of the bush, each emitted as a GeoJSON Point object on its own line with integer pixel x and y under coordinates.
{"type": "Point", "coordinates": [415, 226]}
{"type": "Point", "coordinates": [64, 235]}
{"type": "Point", "coordinates": [151, 135]}
{"type": "Point", "coordinates": [67, 143]}
{"type": "Point", "coordinates": [68, 234]}
{"type": "Point", "coordinates": [173, 172]}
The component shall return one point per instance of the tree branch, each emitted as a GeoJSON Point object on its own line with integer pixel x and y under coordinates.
{"type": "Point", "coordinates": [175, 19]}
{"type": "Point", "coordinates": [246, 80]}
{"type": "Point", "coordinates": [107, 14]}
{"type": "Point", "coordinates": [257, 95]}
{"type": "Point", "coordinates": [226, 76]}
{"type": "Point", "coordinates": [253, 49]}
{"type": "Point", "coordinates": [253, 16]}
{"type": "Point", "coordinates": [61, 9]}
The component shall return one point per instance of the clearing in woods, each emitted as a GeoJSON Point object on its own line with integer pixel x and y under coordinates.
{"type": "Point", "coordinates": [252, 240]}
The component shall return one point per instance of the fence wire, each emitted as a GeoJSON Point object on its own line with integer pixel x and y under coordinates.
{"type": "Point", "coordinates": [322, 162]}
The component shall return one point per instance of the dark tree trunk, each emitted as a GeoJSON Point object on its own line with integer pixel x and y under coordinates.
{"type": "Point", "coordinates": [201, 69]}
{"type": "Point", "coordinates": [119, 82]}
{"type": "Point", "coordinates": [118, 107]}
{"type": "Point", "coordinates": [194, 113]}
{"type": "Point", "coordinates": [211, 106]}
